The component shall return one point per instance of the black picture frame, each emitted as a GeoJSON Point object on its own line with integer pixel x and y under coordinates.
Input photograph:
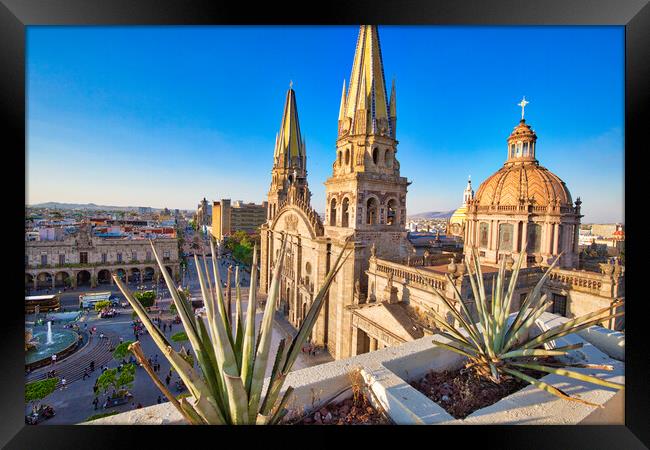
{"type": "Point", "coordinates": [15, 15]}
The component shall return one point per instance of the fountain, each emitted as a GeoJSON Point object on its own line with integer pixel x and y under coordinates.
{"type": "Point", "coordinates": [49, 340]}
{"type": "Point", "coordinates": [43, 341]}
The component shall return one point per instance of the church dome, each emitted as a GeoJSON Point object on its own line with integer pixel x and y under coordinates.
{"type": "Point", "coordinates": [518, 182]}
{"type": "Point", "coordinates": [521, 178]}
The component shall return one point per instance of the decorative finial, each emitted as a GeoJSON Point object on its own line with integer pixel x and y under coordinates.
{"type": "Point", "coordinates": [523, 105]}
{"type": "Point", "coordinates": [290, 84]}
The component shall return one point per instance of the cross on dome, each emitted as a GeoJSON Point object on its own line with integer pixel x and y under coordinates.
{"type": "Point", "coordinates": [523, 105]}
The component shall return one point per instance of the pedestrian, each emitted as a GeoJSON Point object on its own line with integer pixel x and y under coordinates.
{"type": "Point", "coordinates": [164, 328]}
{"type": "Point", "coordinates": [139, 406]}
{"type": "Point", "coordinates": [149, 360]}
{"type": "Point", "coordinates": [85, 374]}
{"type": "Point", "coordinates": [63, 386]}
{"type": "Point", "coordinates": [159, 401]}
{"type": "Point", "coordinates": [121, 339]}
{"type": "Point", "coordinates": [92, 366]}
{"type": "Point", "coordinates": [53, 359]}
{"type": "Point", "coordinates": [167, 380]}
{"type": "Point", "coordinates": [101, 335]}
{"type": "Point", "coordinates": [96, 402]}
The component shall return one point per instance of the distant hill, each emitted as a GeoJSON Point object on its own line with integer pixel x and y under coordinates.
{"type": "Point", "coordinates": [87, 206]}
{"type": "Point", "coordinates": [433, 215]}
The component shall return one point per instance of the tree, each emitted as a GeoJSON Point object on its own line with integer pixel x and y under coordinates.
{"type": "Point", "coordinates": [122, 350]}
{"type": "Point", "coordinates": [181, 336]}
{"type": "Point", "coordinates": [118, 380]}
{"type": "Point", "coordinates": [145, 298]}
{"type": "Point", "coordinates": [102, 304]}
{"type": "Point", "coordinates": [38, 390]}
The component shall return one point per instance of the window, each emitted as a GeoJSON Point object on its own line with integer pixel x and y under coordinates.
{"type": "Point", "coordinates": [375, 155]}
{"type": "Point", "coordinates": [534, 237]}
{"type": "Point", "coordinates": [119, 257]}
{"type": "Point", "coordinates": [148, 256]}
{"type": "Point", "coordinates": [333, 212]}
{"type": "Point", "coordinates": [61, 259]}
{"type": "Point", "coordinates": [371, 211]}
{"type": "Point", "coordinates": [347, 156]}
{"type": "Point", "coordinates": [345, 214]}
{"type": "Point", "coordinates": [388, 158]}
{"type": "Point", "coordinates": [134, 255]}
{"type": "Point", "coordinates": [559, 304]}
{"type": "Point", "coordinates": [104, 258]}
{"type": "Point", "coordinates": [43, 260]}
{"type": "Point", "coordinates": [484, 235]}
{"type": "Point", "coordinates": [83, 257]}
{"type": "Point", "coordinates": [505, 237]}
{"type": "Point", "coordinates": [166, 255]}
{"type": "Point", "coordinates": [391, 214]}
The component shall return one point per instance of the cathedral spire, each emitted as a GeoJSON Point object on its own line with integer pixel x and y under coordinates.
{"type": "Point", "coordinates": [342, 107]}
{"type": "Point", "coordinates": [289, 147]}
{"type": "Point", "coordinates": [392, 110]}
{"type": "Point", "coordinates": [366, 97]}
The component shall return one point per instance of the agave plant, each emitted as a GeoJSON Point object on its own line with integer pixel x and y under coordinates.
{"type": "Point", "coordinates": [231, 354]}
{"type": "Point", "coordinates": [498, 348]}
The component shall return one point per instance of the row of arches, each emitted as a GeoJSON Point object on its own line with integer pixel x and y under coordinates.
{"type": "Point", "coordinates": [372, 213]}
{"type": "Point", "coordinates": [83, 277]}
{"type": "Point", "coordinates": [380, 157]}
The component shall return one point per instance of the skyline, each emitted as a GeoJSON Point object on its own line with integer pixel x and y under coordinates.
{"type": "Point", "coordinates": [181, 100]}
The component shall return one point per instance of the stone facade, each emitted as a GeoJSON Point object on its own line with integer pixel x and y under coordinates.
{"type": "Point", "coordinates": [83, 259]}
{"type": "Point", "coordinates": [381, 295]}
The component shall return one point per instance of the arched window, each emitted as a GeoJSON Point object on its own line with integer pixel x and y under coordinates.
{"type": "Point", "coordinates": [505, 237]}
{"type": "Point", "coordinates": [347, 156]}
{"type": "Point", "coordinates": [371, 211]}
{"type": "Point", "coordinates": [388, 158]}
{"type": "Point", "coordinates": [333, 212]}
{"type": "Point", "coordinates": [391, 212]}
{"type": "Point", "coordinates": [375, 155]}
{"type": "Point", "coordinates": [345, 214]}
{"type": "Point", "coordinates": [484, 229]}
{"type": "Point", "coordinates": [534, 237]}
{"type": "Point", "coordinates": [339, 157]}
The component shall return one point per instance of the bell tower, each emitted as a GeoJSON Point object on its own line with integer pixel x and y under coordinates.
{"type": "Point", "coordinates": [366, 193]}
{"type": "Point", "coordinates": [289, 173]}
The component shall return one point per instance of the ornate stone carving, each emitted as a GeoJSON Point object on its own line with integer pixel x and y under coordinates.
{"type": "Point", "coordinates": [291, 222]}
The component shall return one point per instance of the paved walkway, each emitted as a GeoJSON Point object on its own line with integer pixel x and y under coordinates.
{"type": "Point", "coordinates": [72, 367]}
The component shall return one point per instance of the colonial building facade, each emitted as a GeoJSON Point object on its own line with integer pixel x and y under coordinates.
{"type": "Point", "coordinates": [383, 292]}
{"type": "Point", "coordinates": [82, 259]}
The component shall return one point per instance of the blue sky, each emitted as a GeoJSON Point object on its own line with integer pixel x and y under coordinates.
{"type": "Point", "coordinates": [163, 116]}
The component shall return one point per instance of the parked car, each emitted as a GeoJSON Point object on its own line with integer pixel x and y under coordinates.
{"type": "Point", "coordinates": [44, 412]}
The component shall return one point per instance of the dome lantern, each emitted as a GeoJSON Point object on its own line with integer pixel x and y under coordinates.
{"type": "Point", "coordinates": [522, 140]}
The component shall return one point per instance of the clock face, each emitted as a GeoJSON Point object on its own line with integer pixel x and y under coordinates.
{"type": "Point", "coordinates": [456, 228]}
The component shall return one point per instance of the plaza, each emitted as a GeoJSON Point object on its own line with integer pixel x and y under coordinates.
{"type": "Point", "coordinates": [74, 403]}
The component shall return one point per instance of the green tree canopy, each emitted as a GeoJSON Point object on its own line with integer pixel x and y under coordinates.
{"type": "Point", "coordinates": [38, 390]}
{"type": "Point", "coordinates": [101, 305]}
{"type": "Point", "coordinates": [181, 336]}
{"type": "Point", "coordinates": [122, 350]}
{"type": "Point", "coordinates": [112, 378]}
{"type": "Point", "coordinates": [145, 298]}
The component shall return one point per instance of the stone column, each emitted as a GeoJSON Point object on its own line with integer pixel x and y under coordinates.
{"type": "Point", "coordinates": [35, 281]}
{"type": "Point", "coordinates": [74, 280]}
{"type": "Point", "coordinates": [524, 237]}
{"type": "Point", "coordinates": [53, 281]}
{"type": "Point", "coordinates": [515, 237]}
{"type": "Point", "coordinates": [262, 261]}
{"type": "Point", "coordinates": [373, 344]}
{"type": "Point", "coordinates": [576, 238]}
{"type": "Point", "coordinates": [556, 233]}
{"type": "Point", "coordinates": [93, 281]}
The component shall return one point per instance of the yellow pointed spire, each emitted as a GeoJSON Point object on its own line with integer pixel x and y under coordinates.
{"type": "Point", "coordinates": [342, 107]}
{"type": "Point", "coordinates": [392, 106]}
{"type": "Point", "coordinates": [290, 143]}
{"type": "Point", "coordinates": [367, 89]}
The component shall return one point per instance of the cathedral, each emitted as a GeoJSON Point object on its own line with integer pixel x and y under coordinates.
{"type": "Point", "coordinates": [382, 294]}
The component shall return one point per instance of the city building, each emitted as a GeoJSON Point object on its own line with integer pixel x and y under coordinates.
{"type": "Point", "coordinates": [456, 224]}
{"type": "Point", "coordinates": [88, 257]}
{"type": "Point", "coordinates": [229, 217]}
{"type": "Point", "coordinates": [203, 215]}
{"type": "Point", "coordinates": [382, 294]}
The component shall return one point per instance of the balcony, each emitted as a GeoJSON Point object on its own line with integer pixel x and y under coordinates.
{"type": "Point", "coordinates": [388, 372]}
